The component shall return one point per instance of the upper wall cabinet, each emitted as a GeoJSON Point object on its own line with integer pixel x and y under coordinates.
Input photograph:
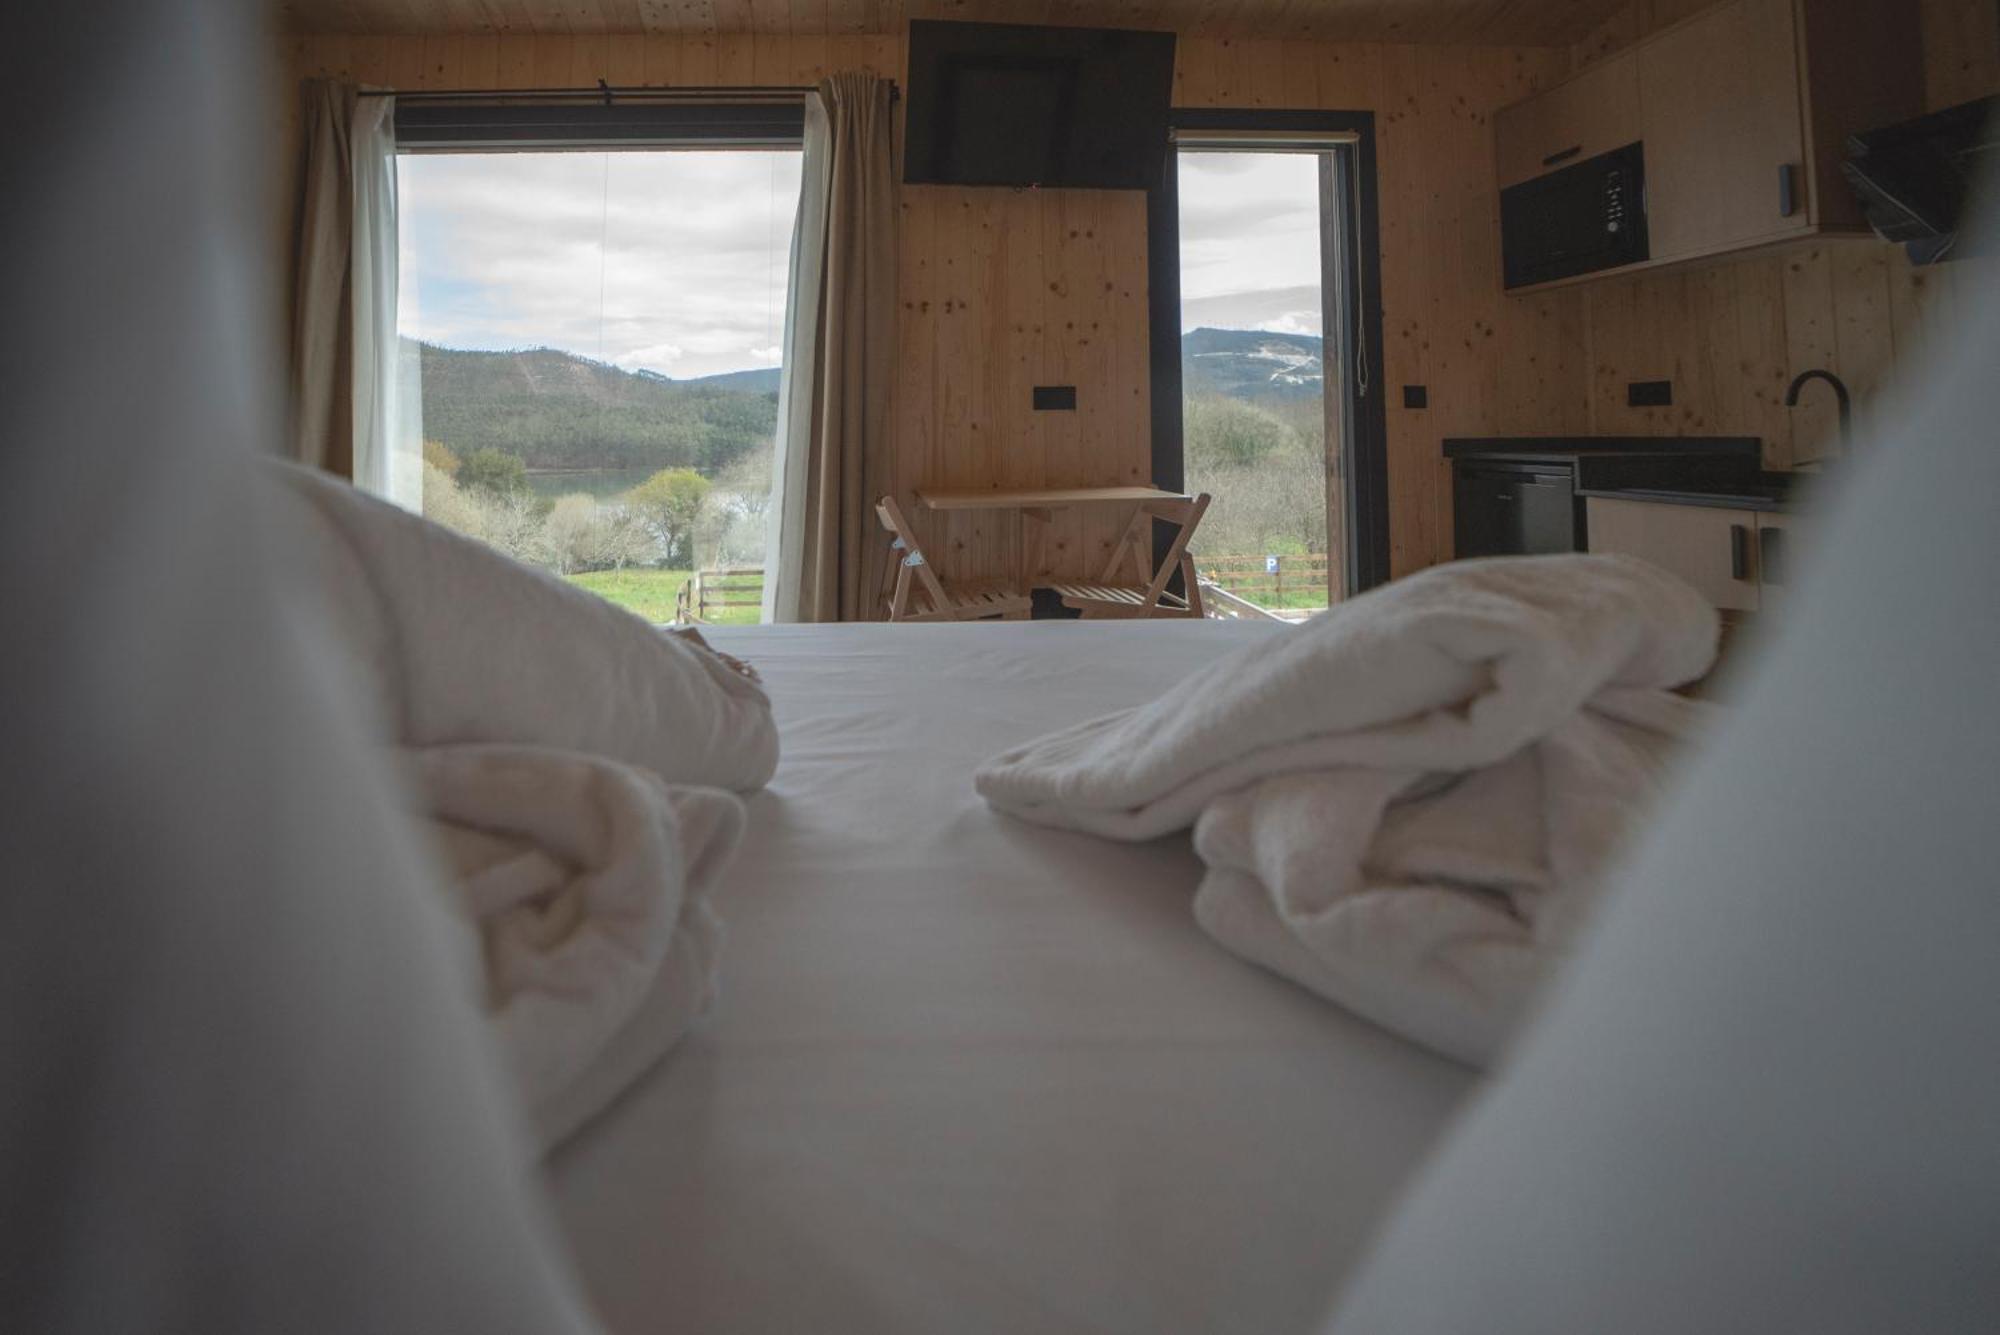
{"type": "Point", "coordinates": [1720, 116]}
{"type": "Point", "coordinates": [1593, 113]}
{"type": "Point", "coordinates": [1741, 109]}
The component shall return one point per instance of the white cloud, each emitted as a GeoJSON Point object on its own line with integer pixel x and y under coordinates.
{"type": "Point", "coordinates": [1250, 241]}
{"type": "Point", "coordinates": [660, 357]}
{"type": "Point", "coordinates": [771, 356]}
{"type": "Point", "coordinates": [1296, 322]}
{"type": "Point", "coordinates": [654, 259]}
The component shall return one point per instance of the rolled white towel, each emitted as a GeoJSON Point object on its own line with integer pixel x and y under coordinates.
{"type": "Point", "coordinates": [586, 881]}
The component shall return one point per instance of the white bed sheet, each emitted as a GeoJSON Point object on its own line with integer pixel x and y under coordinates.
{"type": "Point", "coordinates": [970, 1075]}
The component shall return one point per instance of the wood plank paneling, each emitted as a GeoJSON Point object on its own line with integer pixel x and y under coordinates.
{"type": "Point", "coordinates": [1732, 335]}
{"type": "Point", "coordinates": [1539, 23]}
{"type": "Point", "coordinates": [1005, 290]}
{"type": "Point", "coordinates": [1492, 364]}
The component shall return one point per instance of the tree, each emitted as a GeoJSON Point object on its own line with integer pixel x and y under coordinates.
{"type": "Point", "coordinates": [495, 472]}
{"type": "Point", "coordinates": [440, 456]}
{"type": "Point", "coordinates": [669, 504]}
{"type": "Point", "coordinates": [582, 535]}
{"type": "Point", "coordinates": [743, 496]}
{"type": "Point", "coordinates": [1227, 433]}
{"type": "Point", "coordinates": [447, 504]}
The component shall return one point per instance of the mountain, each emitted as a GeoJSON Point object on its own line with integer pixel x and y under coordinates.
{"type": "Point", "coordinates": [763, 380]}
{"type": "Point", "coordinates": [554, 409]}
{"type": "Point", "coordinates": [1249, 364]}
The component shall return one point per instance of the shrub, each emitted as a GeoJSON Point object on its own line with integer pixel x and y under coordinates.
{"type": "Point", "coordinates": [669, 504]}
{"type": "Point", "coordinates": [440, 456]}
{"type": "Point", "coordinates": [498, 474]}
{"type": "Point", "coordinates": [581, 535]}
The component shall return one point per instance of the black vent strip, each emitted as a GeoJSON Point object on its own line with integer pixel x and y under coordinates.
{"type": "Point", "coordinates": [447, 125]}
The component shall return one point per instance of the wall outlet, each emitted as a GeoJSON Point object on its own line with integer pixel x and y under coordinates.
{"type": "Point", "coordinates": [1649, 394]}
{"type": "Point", "coordinates": [1416, 396]}
{"type": "Point", "coordinates": [1061, 398]}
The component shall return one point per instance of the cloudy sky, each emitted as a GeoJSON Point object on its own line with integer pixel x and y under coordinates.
{"type": "Point", "coordinates": [1250, 241]}
{"type": "Point", "coordinates": [671, 262]}
{"type": "Point", "coordinates": [676, 262]}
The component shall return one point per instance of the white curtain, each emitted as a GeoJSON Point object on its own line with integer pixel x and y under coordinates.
{"type": "Point", "coordinates": [388, 402]}
{"type": "Point", "coordinates": [784, 546]}
{"type": "Point", "coordinates": [840, 359]}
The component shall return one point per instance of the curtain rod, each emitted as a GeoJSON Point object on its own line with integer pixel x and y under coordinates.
{"type": "Point", "coordinates": [604, 92]}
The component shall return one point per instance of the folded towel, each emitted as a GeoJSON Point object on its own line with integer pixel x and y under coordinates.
{"type": "Point", "coordinates": [461, 644]}
{"type": "Point", "coordinates": [1409, 805]}
{"type": "Point", "coordinates": [1453, 668]}
{"type": "Point", "coordinates": [571, 761]}
{"type": "Point", "coordinates": [586, 881]}
{"type": "Point", "coordinates": [1437, 906]}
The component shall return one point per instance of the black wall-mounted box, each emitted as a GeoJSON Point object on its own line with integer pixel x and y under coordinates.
{"type": "Point", "coordinates": [1057, 397]}
{"type": "Point", "coordinates": [1649, 394]}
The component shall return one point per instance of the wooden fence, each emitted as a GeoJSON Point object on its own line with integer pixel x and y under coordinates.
{"type": "Point", "coordinates": [709, 591]}
{"type": "Point", "coordinates": [1222, 605]}
{"type": "Point", "coordinates": [1252, 578]}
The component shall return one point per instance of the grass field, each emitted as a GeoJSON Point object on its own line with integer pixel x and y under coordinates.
{"type": "Point", "coordinates": [650, 594]}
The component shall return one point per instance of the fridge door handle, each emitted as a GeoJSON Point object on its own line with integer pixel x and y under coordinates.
{"type": "Point", "coordinates": [1771, 555]}
{"type": "Point", "coordinates": [1739, 551]}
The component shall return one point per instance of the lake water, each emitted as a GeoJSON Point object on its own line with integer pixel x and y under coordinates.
{"type": "Point", "coordinates": [601, 483]}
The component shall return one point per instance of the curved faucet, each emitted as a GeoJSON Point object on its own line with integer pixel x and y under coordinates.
{"type": "Point", "coordinates": [1840, 395]}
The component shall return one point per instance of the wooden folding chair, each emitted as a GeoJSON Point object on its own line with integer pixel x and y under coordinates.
{"type": "Point", "coordinates": [908, 578]}
{"type": "Point", "coordinates": [1147, 595]}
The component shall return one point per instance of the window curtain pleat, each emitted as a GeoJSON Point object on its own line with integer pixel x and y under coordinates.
{"type": "Point", "coordinates": [356, 399]}
{"type": "Point", "coordinates": [388, 431]}
{"type": "Point", "coordinates": [840, 351]}
{"type": "Point", "coordinates": [322, 352]}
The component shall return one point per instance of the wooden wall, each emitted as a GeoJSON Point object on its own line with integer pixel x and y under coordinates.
{"type": "Point", "coordinates": [1493, 364]}
{"type": "Point", "coordinates": [1731, 335]}
{"type": "Point", "coordinates": [1005, 290]}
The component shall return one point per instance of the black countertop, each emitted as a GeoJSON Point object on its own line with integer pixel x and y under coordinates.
{"type": "Point", "coordinates": [1763, 491]}
{"type": "Point", "coordinates": [1546, 449]}
{"type": "Point", "coordinates": [1722, 471]}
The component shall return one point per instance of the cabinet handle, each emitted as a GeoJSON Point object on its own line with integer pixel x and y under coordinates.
{"type": "Point", "coordinates": [1564, 156]}
{"type": "Point", "coordinates": [1787, 190]}
{"type": "Point", "coordinates": [1771, 555]}
{"type": "Point", "coordinates": [1739, 551]}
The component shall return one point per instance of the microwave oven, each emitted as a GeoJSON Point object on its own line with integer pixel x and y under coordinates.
{"type": "Point", "coordinates": [1579, 219]}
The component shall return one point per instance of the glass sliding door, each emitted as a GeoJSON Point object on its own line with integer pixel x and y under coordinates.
{"type": "Point", "coordinates": [1261, 399]}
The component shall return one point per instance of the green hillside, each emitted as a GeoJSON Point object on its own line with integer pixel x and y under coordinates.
{"type": "Point", "coordinates": [1251, 365]}
{"type": "Point", "coordinates": [554, 409]}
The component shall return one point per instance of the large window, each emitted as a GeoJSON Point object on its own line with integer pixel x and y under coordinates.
{"type": "Point", "coordinates": [598, 336]}
{"type": "Point", "coordinates": [1253, 371]}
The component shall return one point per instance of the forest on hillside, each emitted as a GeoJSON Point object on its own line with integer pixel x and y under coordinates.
{"type": "Point", "coordinates": [556, 410]}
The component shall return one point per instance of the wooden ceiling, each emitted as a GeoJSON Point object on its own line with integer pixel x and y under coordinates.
{"type": "Point", "coordinates": [1483, 22]}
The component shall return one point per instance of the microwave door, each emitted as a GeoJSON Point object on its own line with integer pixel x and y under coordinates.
{"type": "Point", "coordinates": [1586, 217]}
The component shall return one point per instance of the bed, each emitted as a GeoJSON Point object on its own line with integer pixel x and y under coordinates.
{"type": "Point", "coordinates": [970, 1075]}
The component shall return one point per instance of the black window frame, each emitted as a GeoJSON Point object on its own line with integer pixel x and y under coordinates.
{"type": "Point", "coordinates": [582, 122]}
{"type": "Point", "coordinates": [1365, 495]}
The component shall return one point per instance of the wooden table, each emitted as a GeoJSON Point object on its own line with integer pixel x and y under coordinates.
{"type": "Point", "coordinates": [1039, 504]}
